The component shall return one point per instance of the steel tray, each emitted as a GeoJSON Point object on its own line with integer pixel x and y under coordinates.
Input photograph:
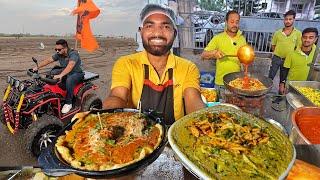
{"type": "Point", "coordinates": [299, 96]}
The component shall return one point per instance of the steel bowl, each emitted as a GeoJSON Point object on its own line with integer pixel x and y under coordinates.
{"type": "Point", "coordinates": [296, 136]}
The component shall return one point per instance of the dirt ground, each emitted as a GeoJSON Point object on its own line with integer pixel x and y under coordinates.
{"type": "Point", "coordinates": [15, 59]}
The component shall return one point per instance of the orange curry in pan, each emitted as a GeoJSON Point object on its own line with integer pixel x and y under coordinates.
{"type": "Point", "coordinates": [310, 127]}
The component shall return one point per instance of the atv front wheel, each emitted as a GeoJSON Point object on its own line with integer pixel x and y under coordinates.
{"type": "Point", "coordinates": [91, 101]}
{"type": "Point", "coordinates": [40, 134]}
{"type": "Point", "coordinates": [2, 120]}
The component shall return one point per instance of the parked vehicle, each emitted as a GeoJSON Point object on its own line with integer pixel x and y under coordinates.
{"type": "Point", "coordinates": [35, 105]}
{"type": "Point", "coordinates": [274, 15]}
{"type": "Point", "coordinates": [206, 25]}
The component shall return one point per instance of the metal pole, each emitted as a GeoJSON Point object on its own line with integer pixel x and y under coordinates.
{"type": "Point", "coordinates": [309, 5]}
{"type": "Point", "coordinates": [271, 6]}
{"type": "Point", "coordinates": [245, 8]}
{"type": "Point", "coordinates": [78, 19]}
{"type": "Point", "coordinates": [314, 60]}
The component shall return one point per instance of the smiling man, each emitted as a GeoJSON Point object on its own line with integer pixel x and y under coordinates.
{"type": "Point", "coordinates": [296, 64]}
{"type": "Point", "coordinates": [155, 78]}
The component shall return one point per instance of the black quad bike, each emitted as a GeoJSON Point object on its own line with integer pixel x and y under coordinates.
{"type": "Point", "coordinates": [35, 105]}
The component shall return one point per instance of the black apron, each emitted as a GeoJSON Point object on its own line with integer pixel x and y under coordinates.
{"type": "Point", "coordinates": [158, 97]}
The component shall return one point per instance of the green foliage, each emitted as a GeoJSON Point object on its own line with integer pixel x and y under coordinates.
{"type": "Point", "coordinates": [246, 7]}
{"type": "Point", "coordinates": [212, 5]}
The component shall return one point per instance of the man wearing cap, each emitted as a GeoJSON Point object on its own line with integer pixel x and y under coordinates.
{"type": "Point", "coordinates": [225, 43]}
{"type": "Point", "coordinates": [155, 78]}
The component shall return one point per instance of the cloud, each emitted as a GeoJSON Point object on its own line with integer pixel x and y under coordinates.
{"type": "Point", "coordinates": [117, 17]}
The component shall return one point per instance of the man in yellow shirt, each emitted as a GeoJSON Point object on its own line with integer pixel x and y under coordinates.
{"type": "Point", "coordinates": [155, 78]}
{"type": "Point", "coordinates": [225, 43]}
{"type": "Point", "coordinates": [296, 65]}
{"type": "Point", "coordinates": [284, 41]}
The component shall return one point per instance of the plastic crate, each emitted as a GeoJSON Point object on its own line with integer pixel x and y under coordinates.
{"type": "Point", "coordinates": [207, 79]}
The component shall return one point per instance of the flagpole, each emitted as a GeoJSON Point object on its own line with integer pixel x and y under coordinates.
{"type": "Point", "coordinates": [78, 16]}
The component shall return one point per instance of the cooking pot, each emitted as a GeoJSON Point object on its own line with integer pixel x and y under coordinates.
{"type": "Point", "coordinates": [296, 136]}
{"type": "Point", "coordinates": [267, 82]}
{"type": "Point", "coordinates": [314, 73]}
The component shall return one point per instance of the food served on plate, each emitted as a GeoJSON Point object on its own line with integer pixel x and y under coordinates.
{"type": "Point", "coordinates": [209, 94]}
{"type": "Point", "coordinates": [229, 144]}
{"type": "Point", "coordinates": [312, 94]}
{"type": "Point", "coordinates": [109, 141]}
{"type": "Point", "coordinates": [253, 84]}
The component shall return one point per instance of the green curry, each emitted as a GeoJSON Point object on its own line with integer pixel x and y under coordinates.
{"type": "Point", "coordinates": [227, 143]}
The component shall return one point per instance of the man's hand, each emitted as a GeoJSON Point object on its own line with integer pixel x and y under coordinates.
{"type": "Point", "coordinates": [34, 69]}
{"type": "Point", "coordinates": [192, 99]}
{"type": "Point", "coordinates": [59, 77]}
{"type": "Point", "coordinates": [118, 98]}
{"type": "Point", "coordinates": [218, 54]}
{"type": "Point", "coordinates": [215, 54]}
{"type": "Point", "coordinates": [282, 89]}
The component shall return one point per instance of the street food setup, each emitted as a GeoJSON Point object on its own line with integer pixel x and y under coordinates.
{"type": "Point", "coordinates": [303, 98]}
{"type": "Point", "coordinates": [231, 140]}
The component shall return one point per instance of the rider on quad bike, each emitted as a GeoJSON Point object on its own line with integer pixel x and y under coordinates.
{"type": "Point", "coordinates": [35, 105]}
{"type": "Point", "coordinates": [69, 72]}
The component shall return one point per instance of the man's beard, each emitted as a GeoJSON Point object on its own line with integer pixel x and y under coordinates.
{"type": "Point", "coordinates": [288, 24]}
{"type": "Point", "coordinates": [157, 50]}
{"type": "Point", "coordinates": [233, 30]}
{"type": "Point", "coordinates": [62, 55]}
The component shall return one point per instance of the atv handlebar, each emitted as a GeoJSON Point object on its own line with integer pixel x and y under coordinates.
{"type": "Point", "coordinates": [36, 75]}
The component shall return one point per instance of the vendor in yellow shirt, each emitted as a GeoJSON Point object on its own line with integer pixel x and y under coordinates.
{"type": "Point", "coordinates": [155, 78]}
{"type": "Point", "coordinates": [225, 43]}
{"type": "Point", "coordinates": [296, 65]}
{"type": "Point", "coordinates": [284, 41]}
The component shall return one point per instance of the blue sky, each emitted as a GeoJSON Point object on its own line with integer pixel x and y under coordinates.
{"type": "Point", "coordinates": [117, 17]}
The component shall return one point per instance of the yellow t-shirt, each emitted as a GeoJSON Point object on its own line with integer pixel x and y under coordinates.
{"type": "Point", "coordinates": [285, 44]}
{"type": "Point", "coordinates": [128, 72]}
{"type": "Point", "coordinates": [297, 62]}
{"type": "Point", "coordinates": [229, 46]}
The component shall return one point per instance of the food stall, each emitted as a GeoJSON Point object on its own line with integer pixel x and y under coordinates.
{"type": "Point", "coordinates": [243, 138]}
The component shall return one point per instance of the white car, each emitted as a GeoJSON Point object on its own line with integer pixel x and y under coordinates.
{"type": "Point", "coordinates": [206, 26]}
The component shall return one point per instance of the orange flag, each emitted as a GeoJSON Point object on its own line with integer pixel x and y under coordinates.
{"type": "Point", "coordinates": [86, 10]}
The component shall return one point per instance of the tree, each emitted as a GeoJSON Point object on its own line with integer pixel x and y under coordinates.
{"type": "Point", "coordinates": [212, 5]}
{"type": "Point", "coordinates": [246, 7]}
{"type": "Point", "coordinates": [317, 8]}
